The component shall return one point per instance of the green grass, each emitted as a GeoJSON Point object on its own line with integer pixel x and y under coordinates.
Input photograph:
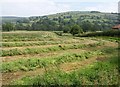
{"type": "Point", "coordinates": [36, 43]}
{"type": "Point", "coordinates": [16, 51]}
{"type": "Point", "coordinates": [28, 36]}
{"type": "Point", "coordinates": [103, 71]}
{"type": "Point", "coordinates": [112, 39]}
{"type": "Point", "coordinates": [99, 73]}
{"type": "Point", "coordinates": [112, 33]}
{"type": "Point", "coordinates": [33, 63]}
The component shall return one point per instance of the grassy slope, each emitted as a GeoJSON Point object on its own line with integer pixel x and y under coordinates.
{"type": "Point", "coordinates": [100, 73]}
{"type": "Point", "coordinates": [84, 67]}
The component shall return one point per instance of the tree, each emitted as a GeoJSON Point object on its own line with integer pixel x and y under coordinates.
{"type": "Point", "coordinates": [86, 26]}
{"type": "Point", "coordinates": [66, 29]}
{"type": "Point", "coordinates": [76, 30]}
{"type": "Point", "coordinates": [44, 24]}
{"type": "Point", "coordinates": [19, 26]}
{"type": "Point", "coordinates": [8, 26]}
{"type": "Point", "coordinates": [96, 26]}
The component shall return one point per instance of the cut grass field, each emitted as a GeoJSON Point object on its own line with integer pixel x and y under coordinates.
{"type": "Point", "coordinates": [44, 58]}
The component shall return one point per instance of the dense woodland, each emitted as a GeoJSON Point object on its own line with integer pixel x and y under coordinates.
{"type": "Point", "coordinates": [85, 21]}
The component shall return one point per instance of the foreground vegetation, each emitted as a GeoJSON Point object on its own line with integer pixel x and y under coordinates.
{"type": "Point", "coordinates": [13, 52]}
{"type": "Point", "coordinates": [31, 64]}
{"type": "Point", "coordinates": [102, 73]}
{"type": "Point", "coordinates": [71, 60]}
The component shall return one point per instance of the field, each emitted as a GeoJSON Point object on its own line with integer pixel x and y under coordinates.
{"type": "Point", "coordinates": [45, 58]}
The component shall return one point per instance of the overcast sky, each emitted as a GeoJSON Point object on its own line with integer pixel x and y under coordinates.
{"type": "Point", "coordinates": [45, 7]}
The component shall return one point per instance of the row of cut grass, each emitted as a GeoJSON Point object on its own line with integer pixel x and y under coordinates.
{"type": "Point", "coordinates": [38, 43]}
{"type": "Point", "coordinates": [16, 51]}
{"type": "Point", "coordinates": [30, 39]}
{"type": "Point", "coordinates": [33, 63]}
{"type": "Point", "coordinates": [27, 36]}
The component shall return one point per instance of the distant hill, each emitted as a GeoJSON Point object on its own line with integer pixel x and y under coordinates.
{"type": "Point", "coordinates": [65, 18]}
{"type": "Point", "coordinates": [86, 15]}
{"type": "Point", "coordinates": [107, 18]}
{"type": "Point", "coordinates": [12, 19]}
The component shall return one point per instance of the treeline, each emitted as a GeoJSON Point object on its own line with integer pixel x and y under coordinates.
{"type": "Point", "coordinates": [113, 33]}
{"type": "Point", "coordinates": [61, 23]}
{"type": "Point", "coordinates": [50, 25]}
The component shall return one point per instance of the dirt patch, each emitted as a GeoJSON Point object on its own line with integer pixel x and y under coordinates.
{"type": "Point", "coordinates": [8, 77]}
{"type": "Point", "coordinates": [68, 67]}
{"type": "Point", "coordinates": [72, 66]}
{"type": "Point", "coordinates": [101, 58]}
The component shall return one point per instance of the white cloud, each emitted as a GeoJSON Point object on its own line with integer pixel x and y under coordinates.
{"type": "Point", "coordinates": [104, 7]}
{"type": "Point", "coordinates": [32, 7]}
{"type": "Point", "coordinates": [44, 7]}
{"type": "Point", "coordinates": [21, 1]}
{"type": "Point", "coordinates": [86, 0]}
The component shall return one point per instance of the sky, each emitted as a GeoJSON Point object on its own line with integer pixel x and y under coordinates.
{"type": "Point", "coordinates": [26, 8]}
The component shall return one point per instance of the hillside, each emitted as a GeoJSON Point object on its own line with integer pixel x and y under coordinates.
{"type": "Point", "coordinates": [59, 20]}
{"type": "Point", "coordinates": [83, 15]}
{"type": "Point", "coordinates": [12, 19]}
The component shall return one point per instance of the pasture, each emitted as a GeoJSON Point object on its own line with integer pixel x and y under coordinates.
{"type": "Point", "coordinates": [45, 58]}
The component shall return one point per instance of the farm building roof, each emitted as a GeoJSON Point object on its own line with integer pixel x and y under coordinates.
{"type": "Point", "coordinates": [116, 26]}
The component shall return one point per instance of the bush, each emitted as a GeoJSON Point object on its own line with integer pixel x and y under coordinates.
{"type": "Point", "coordinates": [113, 33]}
{"type": "Point", "coordinates": [76, 30]}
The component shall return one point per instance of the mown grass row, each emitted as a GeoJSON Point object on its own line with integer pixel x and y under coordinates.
{"type": "Point", "coordinates": [38, 43]}
{"type": "Point", "coordinates": [36, 39]}
{"type": "Point", "coordinates": [25, 34]}
{"type": "Point", "coordinates": [99, 73]}
{"type": "Point", "coordinates": [29, 37]}
{"type": "Point", "coordinates": [33, 63]}
{"type": "Point", "coordinates": [16, 51]}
